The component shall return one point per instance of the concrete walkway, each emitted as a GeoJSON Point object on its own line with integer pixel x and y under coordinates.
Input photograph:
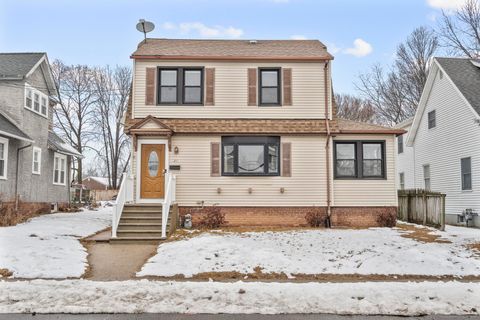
{"type": "Point", "coordinates": [109, 262]}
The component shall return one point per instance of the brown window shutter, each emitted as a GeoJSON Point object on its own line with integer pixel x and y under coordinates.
{"type": "Point", "coordinates": [215, 159]}
{"type": "Point", "coordinates": [287, 87]}
{"type": "Point", "coordinates": [286, 159]}
{"type": "Point", "coordinates": [210, 86]}
{"type": "Point", "coordinates": [252, 86]}
{"type": "Point", "coordinates": [150, 87]}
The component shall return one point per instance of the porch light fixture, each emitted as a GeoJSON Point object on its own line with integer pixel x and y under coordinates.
{"type": "Point", "coordinates": [175, 150]}
{"type": "Point", "coordinates": [219, 190]}
{"type": "Point", "coordinates": [282, 190]}
{"type": "Point", "coordinates": [250, 190]}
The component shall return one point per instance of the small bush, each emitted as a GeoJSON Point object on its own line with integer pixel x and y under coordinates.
{"type": "Point", "coordinates": [387, 219]}
{"type": "Point", "coordinates": [212, 218]}
{"type": "Point", "coordinates": [315, 218]}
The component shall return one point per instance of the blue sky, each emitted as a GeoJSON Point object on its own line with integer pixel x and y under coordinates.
{"type": "Point", "coordinates": [358, 33]}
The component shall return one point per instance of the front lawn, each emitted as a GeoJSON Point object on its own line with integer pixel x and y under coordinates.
{"type": "Point", "coordinates": [408, 250]}
{"type": "Point", "coordinates": [48, 246]}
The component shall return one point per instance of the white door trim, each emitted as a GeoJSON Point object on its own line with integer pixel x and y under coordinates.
{"type": "Point", "coordinates": [141, 142]}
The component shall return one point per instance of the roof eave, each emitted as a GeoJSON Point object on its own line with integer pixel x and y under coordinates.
{"type": "Point", "coordinates": [386, 131]}
{"type": "Point", "coordinates": [14, 136]}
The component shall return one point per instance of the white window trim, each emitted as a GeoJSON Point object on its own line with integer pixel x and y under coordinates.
{"type": "Point", "coordinates": [39, 150]}
{"type": "Point", "coordinates": [59, 156]}
{"type": "Point", "coordinates": [40, 96]}
{"type": "Point", "coordinates": [5, 154]}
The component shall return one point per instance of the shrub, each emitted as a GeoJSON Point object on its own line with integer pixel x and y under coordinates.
{"type": "Point", "coordinates": [315, 218]}
{"type": "Point", "coordinates": [211, 218]}
{"type": "Point", "coordinates": [387, 219]}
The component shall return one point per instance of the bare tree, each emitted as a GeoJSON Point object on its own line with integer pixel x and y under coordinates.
{"type": "Point", "coordinates": [112, 87]}
{"type": "Point", "coordinates": [354, 108]}
{"type": "Point", "coordinates": [460, 32]}
{"type": "Point", "coordinates": [75, 112]}
{"type": "Point", "coordinates": [395, 94]}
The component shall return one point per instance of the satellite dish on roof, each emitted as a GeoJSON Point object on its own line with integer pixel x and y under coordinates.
{"type": "Point", "coordinates": [145, 27]}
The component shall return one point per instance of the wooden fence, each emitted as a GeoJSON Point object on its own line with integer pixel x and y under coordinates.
{"type": "Point", "coordinates": [104, 195]}
{"type": "Point", "coordinates": [422, 207]}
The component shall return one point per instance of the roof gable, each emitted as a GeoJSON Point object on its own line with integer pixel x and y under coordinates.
{"type": "Point", "coordinates": [17, 66]}
{"type": "Point", "coordinates": [462, 90]}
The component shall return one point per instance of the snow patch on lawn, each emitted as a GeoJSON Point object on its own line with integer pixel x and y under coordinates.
{"type": "Point", "coordinates": [338, 251]}
{"type": "Point", "coordinates": [83, 296]}
{"type": "Point", "coordinates": [48, 246]}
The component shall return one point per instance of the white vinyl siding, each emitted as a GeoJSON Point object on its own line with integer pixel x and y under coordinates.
{"type": "Point", "coordinates": [3, 158]}
{"type": "Point", "coordinates": [404, 163]}
{"type": "Point", "coordinates": [59, 169]}
{"type": "Point", "coordinates": [456, 136]}
{"type": "Point", "coordinates": [231, 92]}
{"type": "Point", "coordinates": [36, 160]}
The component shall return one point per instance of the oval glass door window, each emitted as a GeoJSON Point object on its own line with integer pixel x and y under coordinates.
{"type": "Point", "coordinates": [153, 164]}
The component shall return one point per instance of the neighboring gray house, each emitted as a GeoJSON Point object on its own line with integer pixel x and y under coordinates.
{"type": "Point", "coordinates": [34, 161]}
{"type": "Point", "coordinates": [441, 150]}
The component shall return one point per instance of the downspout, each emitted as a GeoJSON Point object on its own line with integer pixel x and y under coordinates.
{"type": "Point", "coordinates": [328, 222]}
{"type": "Point", "coordinates": [16, 174]}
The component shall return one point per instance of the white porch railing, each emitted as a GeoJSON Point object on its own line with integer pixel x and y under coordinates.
{"type": "Point", "coordinates": [168, 200]}
{"type": "Point", "coordinates": [125, 194]}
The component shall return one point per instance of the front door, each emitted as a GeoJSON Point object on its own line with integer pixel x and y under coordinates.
{"type": "Point", "coordinates": [152, 175]}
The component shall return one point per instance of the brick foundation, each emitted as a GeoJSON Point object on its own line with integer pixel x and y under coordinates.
{"type": "Point", "coordinates": [26, 210]}
{"type": "Point", "coordinates": [352, 217]}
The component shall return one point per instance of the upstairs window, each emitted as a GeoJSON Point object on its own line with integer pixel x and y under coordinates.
{"type": "Point", "coordinates": [432, 121]}
{"type": "Point", "coordinates": [400, 143]}
{"type": "Point", "coordinates": [3, 157]}
{"type": "Point", "coordinates": [180, 86]}
{"type": "Point", "coordinates": [269, 88]}
{"type": "Point", "coordinates": [59, 169]}
{"type": "Point", "coordinates": [466, 167]}
{"type": "Point", "coordinates": [359, 159]}
{"type": "Point", "coordinates": [402, 180]}
{"type": "Point", "coordinates": [250, 156]}
{"type": "Point", "coordinates": [36, 101]}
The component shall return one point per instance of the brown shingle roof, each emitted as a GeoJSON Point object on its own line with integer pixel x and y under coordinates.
{"type": "Point", "coordinates": [232, 49]}
{"type": "Point", "coordinates": [349, 126]}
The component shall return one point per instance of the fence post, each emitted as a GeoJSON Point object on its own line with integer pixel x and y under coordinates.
{"type": "Point", "coordinates": [442, 216]}
{"type": "Point", "coordinates": [425, 204]}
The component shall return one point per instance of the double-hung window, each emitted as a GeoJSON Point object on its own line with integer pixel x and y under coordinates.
{"type": "Point", "coordinates": [426, 177]}
{"type": "Point", "coordinates": [269, 88]}
{"type": "Point", "coordinates": [3, 158]}
{"type": "Point", "coordinates": [36, 102]}
{"type": "Point", "coordinates": [402, 180]}
{"type": "Point", "coordinates": [400, 143]}
{"type": "Point", "coordinates": [59, 169]}
{"type": "Point", "coordinates": [29, 98]}
{"type": "Point", "coordinates": [36, 160]}
{"type": "Point", "coordinates": [466, 168]}
{"type": "Point", "coordinates": [180, 86]}
{"type": "Point", "coordinates": [359, 159]}
{"type": "Point", "coordinates": [250, 156]}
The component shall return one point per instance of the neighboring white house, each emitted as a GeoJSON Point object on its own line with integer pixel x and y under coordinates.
{"type": "Point", "coordinates": [441, 150]}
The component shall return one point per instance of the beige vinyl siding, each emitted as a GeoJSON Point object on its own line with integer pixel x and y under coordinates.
{"type": "Point", "coordinates": [359, 192]}
{"type": "Point", "coordinates": [231, 92]}
{"type": "Point", "coordinates": [306, 186]}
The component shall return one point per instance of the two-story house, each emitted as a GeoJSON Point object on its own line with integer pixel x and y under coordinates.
{"type": "Point", "coordinates": [250, 127]}
{"type": "Point", "coordinates": [34, 161]}
{"type": "Point", "coordinates": [441, 150]}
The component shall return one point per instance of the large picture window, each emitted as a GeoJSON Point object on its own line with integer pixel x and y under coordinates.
{"type": "Point", "coordinates": [250, 156]}
{"type": "Point", "coordinates": [269, 87]}
{"type": "Point", "coordinates": [180, 86]}
{"type": "Point", "coordinates": [359, 159]}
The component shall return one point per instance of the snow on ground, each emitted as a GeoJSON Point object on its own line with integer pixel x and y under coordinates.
{"type": "Point", "coordinates": [48, 246]}
{"type": "Point", "coordinates": [340, 251]}
{"type": "Point", "coordinates": [83, 296]}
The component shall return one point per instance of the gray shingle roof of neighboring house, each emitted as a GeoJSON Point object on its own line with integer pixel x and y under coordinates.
{"type": "Point", "coordinates": [466, 77]}
{"type": "Point", "coordinates": [9, 129]}
{"type": "Point", "coordinates": [18, 65]}
{"type": "Point", "coordinates": [56, 143]}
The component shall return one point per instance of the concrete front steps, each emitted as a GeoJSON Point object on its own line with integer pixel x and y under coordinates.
{"type": "Point", "coordinates": [140, 223]}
